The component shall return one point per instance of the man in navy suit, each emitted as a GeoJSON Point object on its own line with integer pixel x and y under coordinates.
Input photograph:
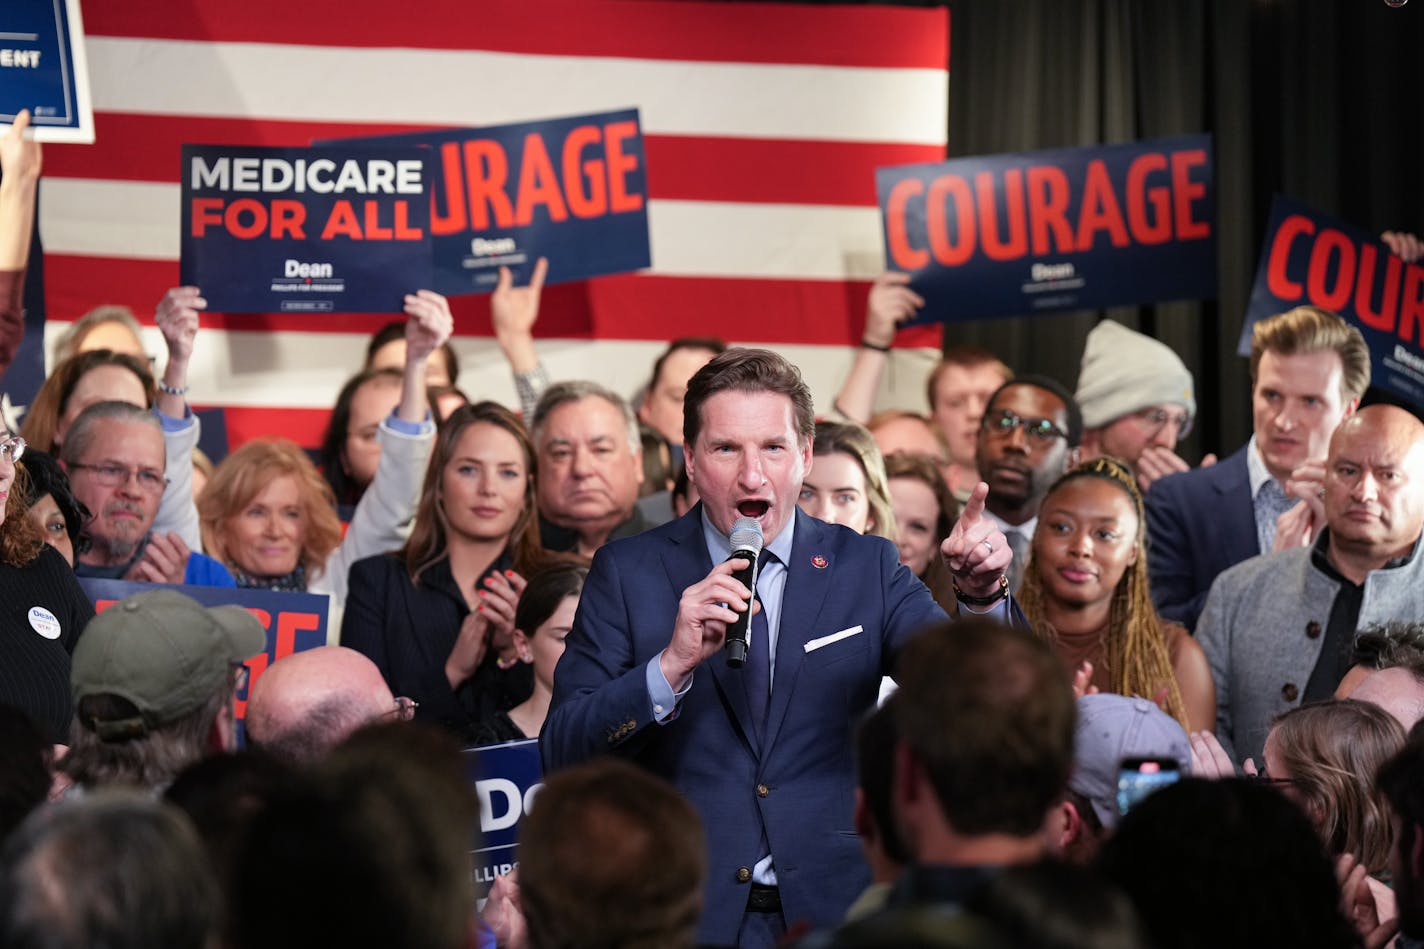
{"type": "Point", "coordinates": [762, 751]}
{"type": "Point", "coordinates": [1308, 371]}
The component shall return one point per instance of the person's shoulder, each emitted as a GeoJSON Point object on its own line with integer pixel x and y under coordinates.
{"type": "Point", "coordinates": [1265, 568]}
{"type": "Point", "coordinates": [1186, 485]}
{"type": "Point", "coordinates": [378, 566]}
{"type": "Point", "coordinates": [207, 571]}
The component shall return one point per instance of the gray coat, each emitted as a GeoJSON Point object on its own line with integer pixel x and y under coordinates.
{"type": "Point", "coordinates": [1263, 626]}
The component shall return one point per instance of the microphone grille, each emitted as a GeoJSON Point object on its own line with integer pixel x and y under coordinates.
{"type": "Point", "coordinates": [746, 534]}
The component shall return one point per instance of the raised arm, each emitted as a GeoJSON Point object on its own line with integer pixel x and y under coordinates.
{"type": "Point", "coordinates": [513, 311]}
{"type": "Point", "coordinates": [891, 302]}
{"type": "Point", "coordinates": [20, 161]}
{"type": "Point", "coordinates": [177, 319]}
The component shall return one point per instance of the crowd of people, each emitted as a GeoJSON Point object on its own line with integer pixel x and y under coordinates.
{"type": "Point", "coordinates": [960, 623]}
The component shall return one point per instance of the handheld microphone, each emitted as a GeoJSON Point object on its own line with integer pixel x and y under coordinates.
{"type": "Point", "coordinates": [746, 545]}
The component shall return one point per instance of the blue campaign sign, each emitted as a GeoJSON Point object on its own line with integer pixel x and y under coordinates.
{"type": "Point", "coordinates": [305, 230]}
{"type": "Point", "coordinates": [1312, 259]}
{"type": "Point", "coordinates": [573, 190]}
{"type": "Point", "coordinates": [506, 779]}
{"type": "Point", "coordinates": [43, 69]}
{"type": "Point", "coordinates": [1040, 232]}
{"type": "Point", "coordinates": [293, 621]}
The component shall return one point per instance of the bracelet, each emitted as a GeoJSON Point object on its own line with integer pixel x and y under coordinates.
{"type": "Point", "coordinates": [867, 344]}
{"type": "Point", "coordinates": [172, 390]}
{"type": "Point", "coordinates": [989, 600]}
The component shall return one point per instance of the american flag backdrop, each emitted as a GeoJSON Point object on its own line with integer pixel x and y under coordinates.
{"type": "Point", "coordinates": [763, 126]}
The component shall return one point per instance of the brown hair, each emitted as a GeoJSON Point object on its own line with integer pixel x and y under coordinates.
{"type": "Point", "coordinates": [427, 544]}
{"type": "Point", "coordinates": [243, 475]}
{"type": "Point", "coordinates": [1135, 650]}
{"type": "Point", "coordinates": [1309, 329]}
{"type": "Point", "coordinates": [50, 402]}
{"type": "Point", "coordinates": [922, 468]}
{"type": "Point", "coordinates": [854, 440]}
{"type": "Point", "coordinates": [963, 356]}
{"type": "Point", "coordinates": [20, 540]}
{"type": "Point", "coordinates": [747, 370]}
{"type": "Point", "coordinates": [1331, 752]}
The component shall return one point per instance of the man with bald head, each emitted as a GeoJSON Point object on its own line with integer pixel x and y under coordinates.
{"type": "Point", "coordinates": [305, 704]}
{"type": "Point", "coordinates": [1278, 629]}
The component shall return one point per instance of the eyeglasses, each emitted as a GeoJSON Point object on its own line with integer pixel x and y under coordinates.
{"type": "Point", "coordinates": [404, 710]}
{"type": "Point", "coordinates": [112, 476]}
{"type": "Point", "coordinates": [1157, 419]}
{"type": "Point", "coordinates": [12, 449]}
{"type": "Point", "coordinates": [1002, 424]}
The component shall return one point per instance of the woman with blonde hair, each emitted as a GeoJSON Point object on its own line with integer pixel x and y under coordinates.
{"type": "Point", "coordinates": [1085, 591]}
{"type": "Point", "coordinates": [846, 483]}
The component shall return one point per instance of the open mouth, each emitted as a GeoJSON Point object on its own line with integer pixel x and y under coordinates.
{"type": "Point", "coordinates": [753, 508]}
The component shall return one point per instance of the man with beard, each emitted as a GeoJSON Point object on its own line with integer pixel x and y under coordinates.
{"type": "Point", "coordinates": [1028, 436]}
{"type": "Point", "coordinates": [115, 461]}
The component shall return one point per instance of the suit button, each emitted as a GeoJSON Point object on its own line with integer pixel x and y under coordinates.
{"type": "Point", "coordinates": [1289, 692]}
{"type": "Point", "coordinates": [1312, 630]}
{"type": "Point", "coordinates": [744, 874]}
{"type": "Point", "coordinates": [762, 790]}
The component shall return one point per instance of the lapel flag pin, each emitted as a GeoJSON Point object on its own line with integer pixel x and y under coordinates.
{"type": "Point", "coordinates": [818, 562]}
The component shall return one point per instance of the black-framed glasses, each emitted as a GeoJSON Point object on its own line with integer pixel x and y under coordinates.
{"type": "Point", "coordinates": [1157, 419]}
{"type": "Point", "coordinates": [150, 480]}
{"type": "Point", "coordinates": [1002, 423]}
{"type": "Point", "coordinates": [12, 449]}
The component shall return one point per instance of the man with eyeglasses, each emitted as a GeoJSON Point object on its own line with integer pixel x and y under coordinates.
{"type": "Point", "coordinates": [1028, 436]}
{"type": "Point", "coordinates": [114, 456]}
{"type": "Point", "coordinates": [1137, 402]}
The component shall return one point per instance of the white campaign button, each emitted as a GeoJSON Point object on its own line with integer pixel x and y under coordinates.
{"type": "Point", "coordinates": [44, 622]}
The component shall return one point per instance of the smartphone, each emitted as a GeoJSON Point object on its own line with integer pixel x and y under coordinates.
{"type": "Point", "coordinates": [1139, 777]}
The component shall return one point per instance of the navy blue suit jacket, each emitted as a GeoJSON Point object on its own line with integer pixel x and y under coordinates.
{"type": "Point", "coordinates": [798, 782]}
{"type": "Point", "coordinates": [1199, 523]}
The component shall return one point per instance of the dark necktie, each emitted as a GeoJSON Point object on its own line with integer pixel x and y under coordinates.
{"type": "Point", "coordinates": [1018, 543]}
{"type": "Point", "coordinates": [758, 668]}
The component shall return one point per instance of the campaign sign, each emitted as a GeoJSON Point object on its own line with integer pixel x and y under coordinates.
{"type": "Point", "coordinates": [294, 621]}
{"type": "Point", "coordinates": [305, 230]}
{"type": "Point", "coordinates": [43, 69]}
{"type": "Point", "coordinates": [506, 779]}
{"type": "Point", "coordinates": [1309, 258]}
{"type": "Point", "coordinates": [574, 190]}
{"type": "Point", "coordinates": [1068, 229]}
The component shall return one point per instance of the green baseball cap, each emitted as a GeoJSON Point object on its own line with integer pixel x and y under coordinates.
{"type": "Point", "coordinates": [163, 652]}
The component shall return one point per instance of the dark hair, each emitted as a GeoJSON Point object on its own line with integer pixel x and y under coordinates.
{"type": "Point", "coordinates": [875, 775]}
{"type": "Point", "coordinates": [1052, 905]}
{"type": "Point", "coordinates": [427, 544]}
{"type": "Point", "coordinates": [709, 343]}
{"type": "Point", "coordinates": [611, 855]}
{"type": "Point", "coordinates": [149, 760]}
{"type": "Point", "coordinates": [1382, 645]}
{"type": "Point", "coordinates": [747, 370]}
{"type": "Point", "coordinates": [50, 403]}
{"type": "Point", "coordinates": [396, 331]}
{"type": "Point", "coordinates": [657, 461]}
{"type": "Point", "coordinates": [922, 468]}
{"type": "Point", "coordinates": [989, 713]}
{"type": "Point", "coordinates": [1228, 861]}
{"type": "Point", "coordinates": [46, 477]}
{"type": "Point", "coordinates": [1047, 384]}
{"type": "Point", "coordinates": [118, 870]}
{"type": "Point", "coordinates": [331, 456]}
{"type": "Point", "coordinates": [545, 591]}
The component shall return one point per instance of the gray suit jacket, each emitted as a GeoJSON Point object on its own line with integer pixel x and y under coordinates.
{"type": "Point", "coordinates": [1262, 630]}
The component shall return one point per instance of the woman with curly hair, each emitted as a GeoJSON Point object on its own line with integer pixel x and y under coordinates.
{"type": "Point", "coordinates": [1085, 591]}
{"type": "Point", "coordinates": [43, 612]}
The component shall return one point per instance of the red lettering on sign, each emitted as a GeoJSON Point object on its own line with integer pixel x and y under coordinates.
{"type": "Point", "coordinates": [902, 255]}
{"type": "Point", "coordinates": [578, 173]}
{"type": "Point", "coordinates": [205, 211]}
{"type": "Point", "coordinates": [1017, 244]}
{"type": "Point", "coordinates": [288, 216]}
{"type": "Point", "coordinates": [453, 218]}
{"type": "Point", "coordinates": [1331, 298]}
{"type": "Point", "coordinates": [342, 222]}
{"type": "Point", "coordinates": [1278, 280]}
{"type": "Point", "coordinates": [1100, 211]}
{"type": "Point", "coordinates": [538, 184]}
{"type": "Point", "coordinates": [1185, 192]}
{"type": "Point", "coordinates": [1383, 318]}
{"type": "Point", "coordinates": [1048, 209]}
{"type": "Point", "coordinates": [1411, 309]}
{"type": "Point", "coordinates": [620, 165]}
{"type": "Point", "coordinates": [486, 173]}
{"type": "Point", "coordinates": [288, 625]}
{"type": "Point", "coordinates": [232, 218]}
{"type": "Point", "coordinates": [1154, 227]}
{"type": "Point", "coordinates": [937, 218]}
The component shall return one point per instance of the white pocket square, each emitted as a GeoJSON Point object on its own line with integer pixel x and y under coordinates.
{"type": "Point", "coordinates": [814, 644]}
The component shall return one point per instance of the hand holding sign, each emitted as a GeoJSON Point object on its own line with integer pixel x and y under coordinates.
{"type": "Point", "coordinates": [20, 160]}
{"type": "Point", "coordinates": [976, 551]}
{"type": "Point", "coordinates": [891, 303]}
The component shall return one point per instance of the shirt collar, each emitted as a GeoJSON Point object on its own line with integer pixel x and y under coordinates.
{"type": "Point", "coordinates": [1256, 471]}
{"type": "Point", "coordinates": [719, 545]}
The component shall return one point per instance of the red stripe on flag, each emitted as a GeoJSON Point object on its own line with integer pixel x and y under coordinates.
{"type": "Point", "coordinates": [631, 306]}
{"type": "Point", "coordinates": [244, 423]}
{"type": "Point", "coordinates": [869, 35]}
{"type": "Point", "coordinates": [688, 168]}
